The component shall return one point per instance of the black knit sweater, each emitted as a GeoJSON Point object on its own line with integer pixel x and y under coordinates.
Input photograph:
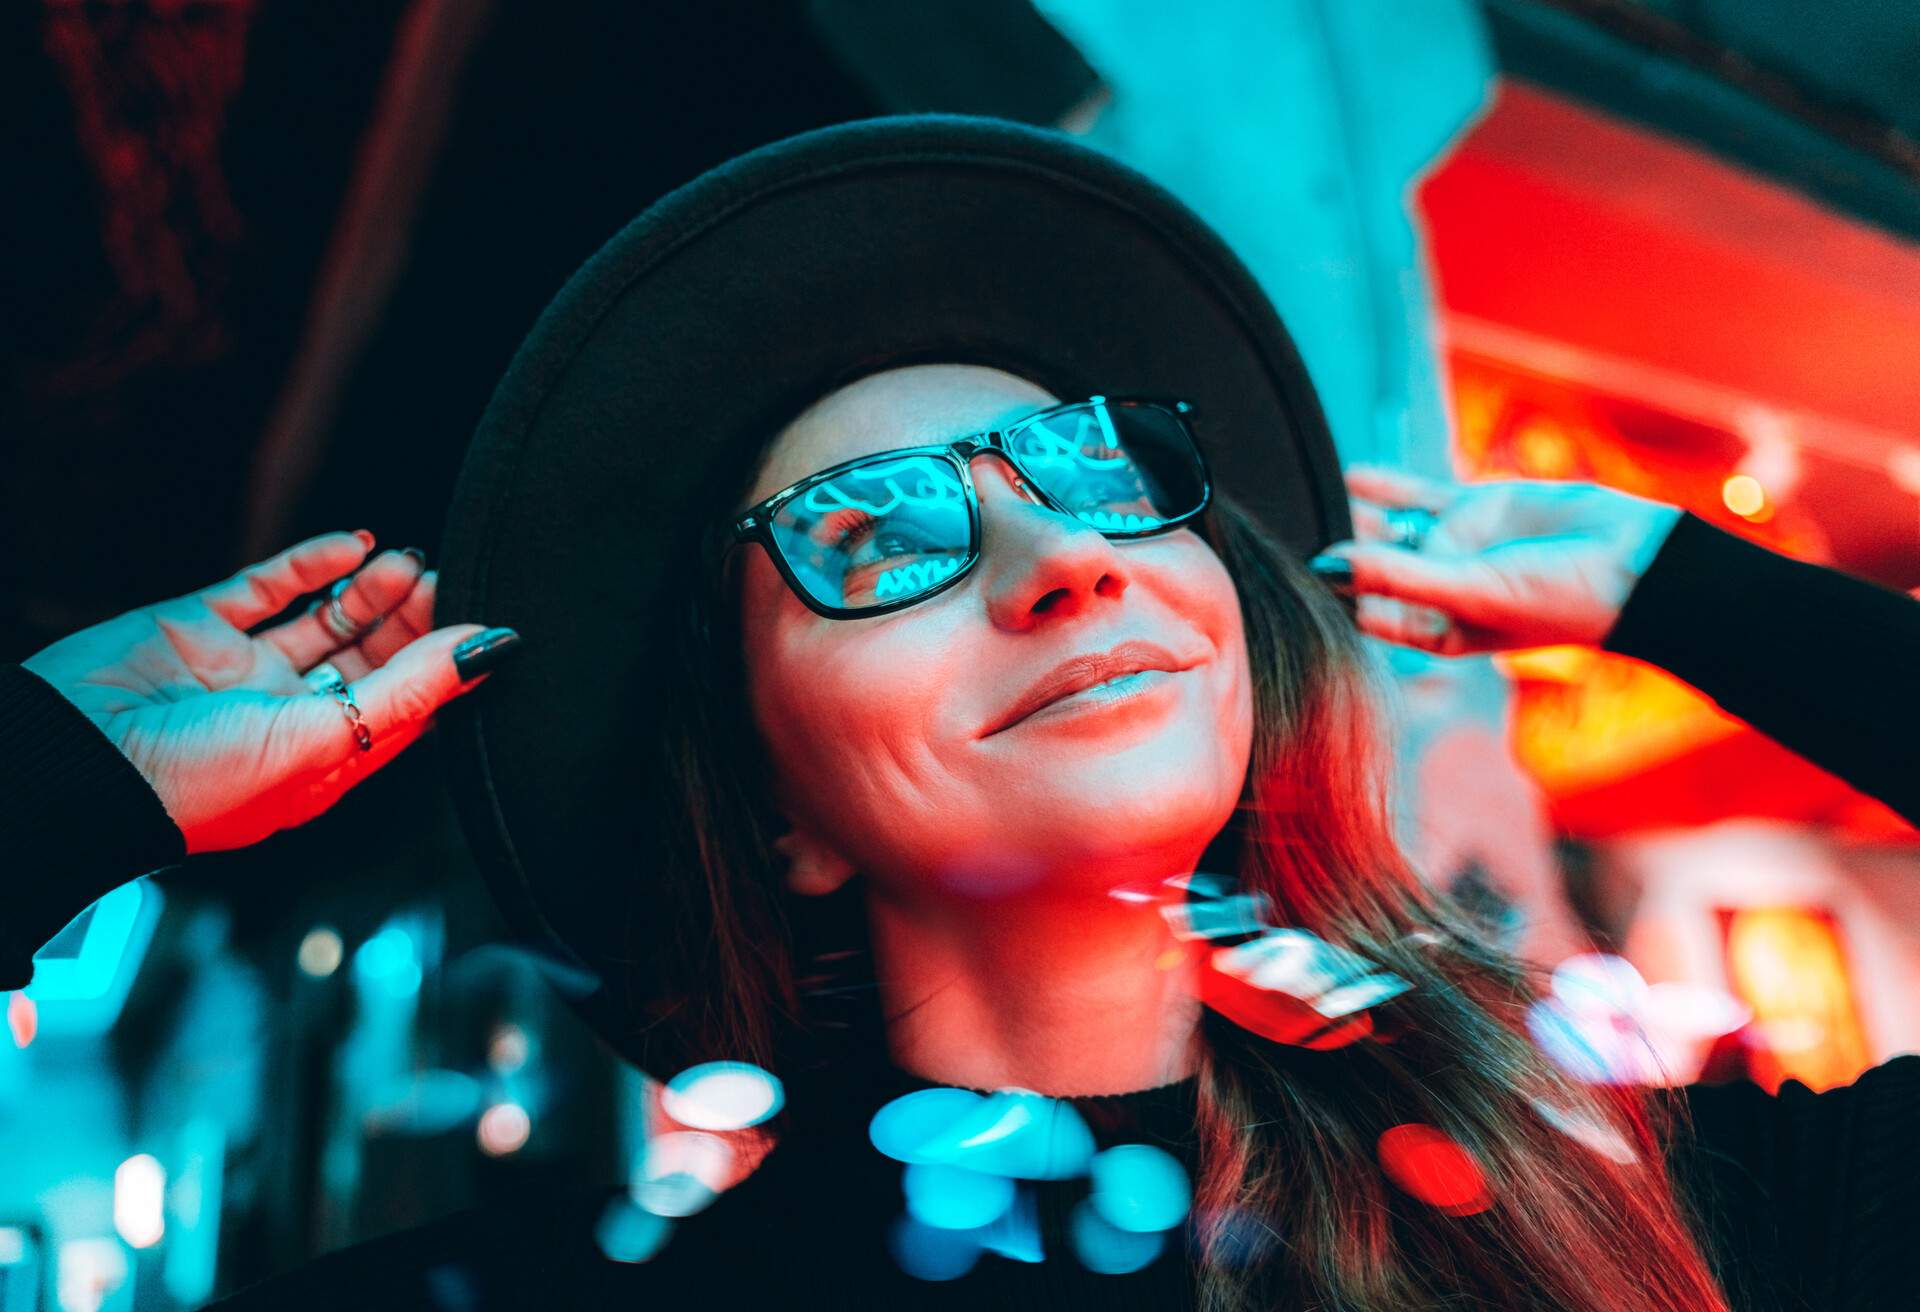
{"type": "Point", "coordinates": [1806, 1195]}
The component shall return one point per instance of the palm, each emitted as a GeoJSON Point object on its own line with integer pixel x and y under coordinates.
{"type": "Point", "coordinates": [196, 702]}
{"type": "Point", "coordinates": [1508, 564]}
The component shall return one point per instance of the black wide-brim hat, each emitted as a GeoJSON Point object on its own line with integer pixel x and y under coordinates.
{"type": "Point", "coordinates": [667, 363]}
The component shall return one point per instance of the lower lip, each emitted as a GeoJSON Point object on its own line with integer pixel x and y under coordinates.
{"type": "Point", "coordinates": [1106, 705]}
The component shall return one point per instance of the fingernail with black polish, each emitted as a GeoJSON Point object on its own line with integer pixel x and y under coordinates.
{"type": "Point", "coordinates": [484, 652]}
{"type": "Point", "coordinates": [1334, 571]}
{"type": "Point", "coordinates": [419, 556]}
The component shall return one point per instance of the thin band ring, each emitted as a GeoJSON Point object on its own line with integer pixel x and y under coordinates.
{"type": "Point", "coordinates": [1407, 526]}
{"type": "Point", "coordinates": [325, 681]}
{"type": "Point", "coordinates": [335, 620]}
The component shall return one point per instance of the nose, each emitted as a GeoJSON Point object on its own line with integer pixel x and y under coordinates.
{"type": "Point", "coordinates": [1037, 563]}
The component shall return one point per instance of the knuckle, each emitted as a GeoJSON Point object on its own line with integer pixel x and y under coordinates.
{"type": "Point", "coordinates": [413, 701]}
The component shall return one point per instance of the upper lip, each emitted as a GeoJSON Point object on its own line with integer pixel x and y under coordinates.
{"type": "Point", "coordinates": [1085, 670]}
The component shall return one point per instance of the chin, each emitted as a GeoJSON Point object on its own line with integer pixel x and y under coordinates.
{"type": "Point", "coordinates": [1076, 841]}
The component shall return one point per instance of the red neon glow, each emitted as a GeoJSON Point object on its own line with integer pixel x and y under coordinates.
{"type": "Point", "coordinates": [1424, 1162]}
{"type": "Point", "coordinates": [1624, 309]}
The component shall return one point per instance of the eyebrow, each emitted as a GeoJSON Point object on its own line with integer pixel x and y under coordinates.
{"type": "Point", "coordinates": [1006, 419]}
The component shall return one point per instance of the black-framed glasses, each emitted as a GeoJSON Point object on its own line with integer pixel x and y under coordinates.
{"type": "Point", "coordinates": [880, 533]}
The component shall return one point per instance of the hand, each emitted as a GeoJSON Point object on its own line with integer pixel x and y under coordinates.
{"type": "Point", "coordinates": [1504, 565]}
{"type": "Point", "coordinates": [222, 724]}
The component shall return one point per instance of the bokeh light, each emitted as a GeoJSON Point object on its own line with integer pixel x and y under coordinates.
{"type": "Point", "coordinates": [1584, 1128]}
{"type": "Point", "coordinates": [1604, 1024]}
{"type": "Point", "coordinates": [1105, 1248]}
{"type": "Point", "coordinates": [682, 1172]}
{"type": "Point", "coordinates": [1424, 1162]}
{"type": "Point", "coordinates": [91, 1271]}
{"type": "Point", "coordinates": [1743, 495]}
{"type": "Point", "coordinates": [1013, 1132]}
{"type": "Point", "coordinates": [629, 1233]}
{"type": "Point", "coordinates": [954, 1198]}
{"type": "Point", "coordinates": [722, 1095]}
{"type": "Point", "coordinates": [1139, 1187]}
{"type": "Point", "coordinates": [930, 1253]}
{"type": "Point", "coordinates": [139, 1200]}
{"type": "Point", "coordinates": [904, 1126]}
{"type": "Point", "coordinates": [508, 1048]}
{"type": "Point", "coordinates": [504, 1128]}
{"type": "Point", "coordinates": [320, 952]}
{"type": "Point", "coordinates": [390, 962]}
{"type": "Point", "coordinates": [23, 1019]}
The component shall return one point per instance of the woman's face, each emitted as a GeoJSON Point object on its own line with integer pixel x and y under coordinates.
{"type": "Point", "coordinates": [886, 734]}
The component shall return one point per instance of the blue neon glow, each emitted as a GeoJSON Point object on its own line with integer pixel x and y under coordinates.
{"type": "Point", "coordinates": [929, 1253]}
{"type": "Point", "coordinates": [915, 576]}
{"type": "Point", "coordinates": [904, 1126]}
{"type": "Point", "coordinates": [1107, 1249]}
{"type": "Point", "coordinates": [390, 962]}
{"type": "Point", "coordinates": [914, 480]}
{"type": "Point", "coordinates": [82, 992]}
{"type": "Point", "coordinates": [1016, 1235]}
{"type": "Point", "coordinates": [954, 1198]}
{"type": "Point", "coordinates": [193, 1234]}
{"type": "Point", "coordinates": [1014, 1133]}
{"type": "Point", "coordinates": [1139, 1188]}
{"type": "Point", "coordinates": [627, 1233]}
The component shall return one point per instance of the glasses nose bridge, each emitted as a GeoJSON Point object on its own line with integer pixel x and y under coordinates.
{"type": "Point", "coordinates": [993, 443]}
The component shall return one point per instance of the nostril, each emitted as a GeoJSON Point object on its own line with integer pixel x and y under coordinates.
{"type": "Point", "coordinates": [1050, 600]}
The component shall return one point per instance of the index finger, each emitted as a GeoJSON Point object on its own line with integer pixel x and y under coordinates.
{"type": "Point", "coordinates": [263, 590]}
{"type": "Point", "coordinates": [1399, 487]}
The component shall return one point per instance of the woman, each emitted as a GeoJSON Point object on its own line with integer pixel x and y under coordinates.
{"type": "Point", "coordinates": [945, 735]}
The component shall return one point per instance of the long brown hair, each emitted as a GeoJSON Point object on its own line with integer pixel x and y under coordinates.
{"type": "Point", "coordinates": [1291, 1207]}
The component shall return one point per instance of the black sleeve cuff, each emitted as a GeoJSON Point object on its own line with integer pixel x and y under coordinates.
{"type": "Point", "coordinates": [76, 819]}
{"type": "Point", "coordinates": [1819, 661]}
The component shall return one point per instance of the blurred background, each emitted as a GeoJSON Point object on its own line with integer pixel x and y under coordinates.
{"type": "Point", "coordinates": [264, 261]}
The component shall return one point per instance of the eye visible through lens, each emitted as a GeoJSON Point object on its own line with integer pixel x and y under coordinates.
{"type": "Point", "coordinates": [898, 527]}
{"type": "Point", "coordinates": [1120, 468]}
{"type": "Point", "coordinates": [877, 533]}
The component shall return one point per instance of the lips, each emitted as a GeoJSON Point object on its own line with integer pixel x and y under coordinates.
{"type": "Point", "coordinates": [1078, 673]}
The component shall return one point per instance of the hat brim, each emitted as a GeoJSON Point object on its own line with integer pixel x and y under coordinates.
{"type": "Point", "coordinates": [691, 338]}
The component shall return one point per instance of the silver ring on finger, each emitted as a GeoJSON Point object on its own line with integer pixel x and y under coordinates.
{"type": "Point", "coordinates": [325, 681]}
{"type": "Point", "coordinates": [335, 620]}
{"type": "Point", "coordinates": [1407, 526]}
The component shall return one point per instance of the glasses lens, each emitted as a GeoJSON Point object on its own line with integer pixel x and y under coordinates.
{"type": "Point", "coordinates": [1121, 467]}
{"type": "Point", "coordinates": [896, 528]}
{"type": "Point", "coordinates": [877, 533]}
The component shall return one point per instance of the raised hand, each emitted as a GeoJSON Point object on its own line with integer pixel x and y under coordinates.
{"type": "Point", "coordinates": [1503, 565]}
{"type": "Point", "coordinates": [221, 721]}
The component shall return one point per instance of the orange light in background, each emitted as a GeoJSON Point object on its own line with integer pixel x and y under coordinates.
{"type": "Point", "coordinates": [1544, 450]}
{"type": "Point", "coordinates": [1585, 719]}
{"type": "Point", "coordinates": [1743, 495]}
{"type": "Point", "coordinates": [1614, 744]}
{"type": "Point", "coordinates": [1788, 964]}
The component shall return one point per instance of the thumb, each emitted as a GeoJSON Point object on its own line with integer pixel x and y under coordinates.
{"type": "Point", "coordinates": [310, 757]}
{"type": "Point", "coordinates": [398, 698]}
{"type": "Point", "coordinates": [1460, 586]}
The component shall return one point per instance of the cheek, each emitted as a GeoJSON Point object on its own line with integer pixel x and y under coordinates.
{"type": "Point", "coordinates": [847, 712]}
{"type": "Point", "coordinates": [1212, 604]}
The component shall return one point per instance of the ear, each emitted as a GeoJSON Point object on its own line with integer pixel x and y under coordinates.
{"type": "Point", "coordinates": [813, 868]}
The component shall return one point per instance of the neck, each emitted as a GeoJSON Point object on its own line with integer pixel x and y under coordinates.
{"type": "Point", "coordinates": [1089, 996]}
